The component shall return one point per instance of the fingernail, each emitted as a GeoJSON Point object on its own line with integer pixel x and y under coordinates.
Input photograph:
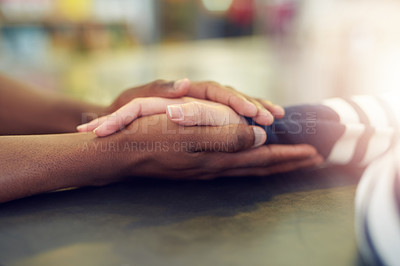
{"type": "Point", "coordinates": [80, 127]}
{"type": "Point", "coordinates": [279, 110]}
{"type": "Point", "coordinates": [95, 131]}
{"type": "Point", "coordinates": [175, 112]}
{"type": "Point", "coordinates": [259, 136]}
{"type": "Point", "coordinates": [179, 83]}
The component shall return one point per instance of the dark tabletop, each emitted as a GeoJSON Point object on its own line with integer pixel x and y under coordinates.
{"type": "Point", "coordinates": [300, 218]}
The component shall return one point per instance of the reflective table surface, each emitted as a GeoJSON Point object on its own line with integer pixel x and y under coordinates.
{"type": "Point", "coordinates": [299, 218]}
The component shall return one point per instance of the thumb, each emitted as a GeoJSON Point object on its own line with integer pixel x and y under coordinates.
{"type": "Point", "coordinates": [228, 138]}
{"type": "Point", "coordinates": [172, 89]}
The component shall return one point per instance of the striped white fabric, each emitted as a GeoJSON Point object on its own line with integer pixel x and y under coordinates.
{"type": "Point", "coordinates": [373, 109]}
{"type": "Point", "coordinates": [360, 131]}
{"type": "Point", "coordinates": [343, 151]}
{"type": "Point", "coordinates": [393, 100]}
{"type": "Point", "coordinates": [368, 129]}
{"type": "Point", "coordinates": [346, 113]}
{"type": "Point", "coordinates": [378, 211]}
{"type": "Point", "coordinates": [371, 131]}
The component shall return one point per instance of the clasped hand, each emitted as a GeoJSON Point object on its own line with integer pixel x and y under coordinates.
{"type": "Point", "coordinates": [151, 118]}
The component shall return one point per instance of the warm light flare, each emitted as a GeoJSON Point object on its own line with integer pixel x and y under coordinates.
{"type": "Point", "coordinates": [217, 6]}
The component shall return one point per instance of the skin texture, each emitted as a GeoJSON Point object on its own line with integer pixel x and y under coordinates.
{"type": "Point", "coordinates": [262, 111]}
{"type": "Point", "coordinates": [26, 110]}
{"type": "Point", "coordinates": [32, 163]}
{"type": "Point", "coordinates": [195, 111]}
{"type": "Point", "coordinates": [125, 111]}
{"type": "Point", "coordinates": [149, 147]}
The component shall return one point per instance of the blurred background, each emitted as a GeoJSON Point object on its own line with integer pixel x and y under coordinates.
{"type": "Point", "coordinates": [289, 51]}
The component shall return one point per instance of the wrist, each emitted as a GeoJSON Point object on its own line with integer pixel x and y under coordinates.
{"type": "Point", "coordinates": [50, 162]}
{"type": "Point", "coordinates": [71, 113]}
{"type": "Point", "coordinates": [87, 112]}
{"type": "Point", "coordinates": [107, 159]}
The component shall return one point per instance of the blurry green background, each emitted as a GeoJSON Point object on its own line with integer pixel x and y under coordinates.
{"type": "Point", "coordinates": [289, 51]}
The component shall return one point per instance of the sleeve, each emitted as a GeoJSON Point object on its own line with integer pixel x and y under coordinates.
{"type": "Point", "coordinates": [361, 131]}
{"type": "Point", "coordinates": [377, 210]}
{"type": "Point", "coordinates": [351, 131]}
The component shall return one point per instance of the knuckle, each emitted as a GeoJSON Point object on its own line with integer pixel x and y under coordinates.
{"type": "Point", "coordinates": [234, 143]}
{"type": "Point", "coordinates": [195, 106]}
{"type": "Point", "coordinates": [244, 137]}
{"type": "Point", "coordinates": [206, 114]}
{"type": "Point", "coordinates": [213, 118]}
{"type": "Point", "coordinates": [241, 141]}
{"type": "Point", "coordinates": [196, 111]}
{"type": "Point", "coordinates": [212, 83]}
{"type": "Point", "coordinates": [202, 112]}
{"type": "Point", "coordinates": [161, 84]}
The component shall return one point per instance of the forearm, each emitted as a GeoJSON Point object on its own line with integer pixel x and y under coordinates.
{"type": "Point", "coordinates": [35, 164]}
{"type": "Point", "coordinates": [24, 110]}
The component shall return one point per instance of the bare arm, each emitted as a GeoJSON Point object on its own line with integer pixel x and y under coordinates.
{"type": "Point", "coordinates": [40, 163]}
{"type": "Point", "coordinates": [24, 110]}
{"type": "Point", "coordinates": [151, 146]}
